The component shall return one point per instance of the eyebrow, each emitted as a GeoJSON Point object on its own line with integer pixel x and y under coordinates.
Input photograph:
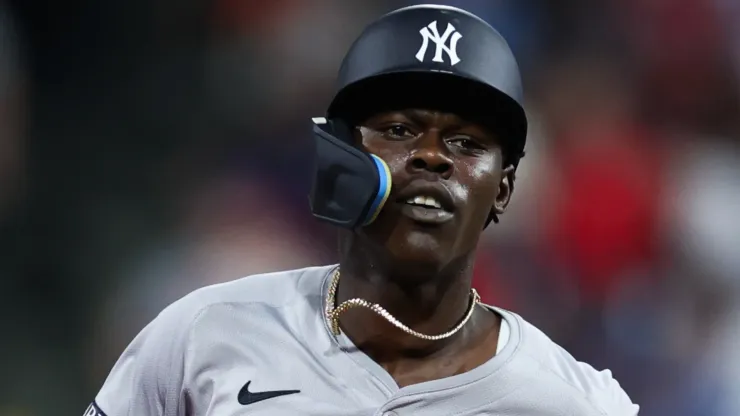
{"type": "Point", "coordinates": [423, 117]}
{"type": "Point", "coordinates": [415, 115]}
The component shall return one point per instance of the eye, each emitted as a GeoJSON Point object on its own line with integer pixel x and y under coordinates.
{"type": "Point", "coordinates": [467, 144]}
{"type": "Point", "coordinates": [398, 131]}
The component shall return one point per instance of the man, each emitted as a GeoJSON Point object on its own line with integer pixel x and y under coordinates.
{"type": "Point", "coordinates": [415, 158]}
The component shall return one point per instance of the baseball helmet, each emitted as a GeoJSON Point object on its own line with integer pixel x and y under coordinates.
{"type": "Point", "coordinates": [427, 56]}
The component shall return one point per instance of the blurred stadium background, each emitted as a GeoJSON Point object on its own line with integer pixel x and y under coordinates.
{"type": "Point", "coordinates": [150, 147]}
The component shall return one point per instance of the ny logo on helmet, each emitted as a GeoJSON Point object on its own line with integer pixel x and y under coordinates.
{"type": "Point", "coordinates": [430, 32]}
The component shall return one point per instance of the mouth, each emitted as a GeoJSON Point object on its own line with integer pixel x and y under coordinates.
{"type": "Point", "coordinates": [427, 204]}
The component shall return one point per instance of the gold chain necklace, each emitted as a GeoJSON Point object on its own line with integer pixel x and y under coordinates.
{"type": "Point", "coordinates": [333, 313]}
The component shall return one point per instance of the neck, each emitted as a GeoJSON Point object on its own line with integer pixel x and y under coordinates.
{"type": "Point", "coordinates": [427, 301]}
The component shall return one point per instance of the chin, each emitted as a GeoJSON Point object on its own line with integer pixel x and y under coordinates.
{"type": "Point", "coordinates": [418, 253]}
{"type": "Point", "coordinates": [416, 249]}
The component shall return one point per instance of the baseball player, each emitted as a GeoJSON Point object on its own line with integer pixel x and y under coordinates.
{"type": "Point", "coordinates": [415, 157]}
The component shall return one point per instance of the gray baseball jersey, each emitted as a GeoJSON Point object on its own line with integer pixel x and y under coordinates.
{"type": "Point", "coordinates": [261, 346]}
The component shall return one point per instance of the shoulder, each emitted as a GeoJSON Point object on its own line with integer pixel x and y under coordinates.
{"type": "Point", "coordinates": [261, 291]}
{"type": "Point", "coordinates": [150, 376]}
{"type": "Point", "coordinates": [553, 362]}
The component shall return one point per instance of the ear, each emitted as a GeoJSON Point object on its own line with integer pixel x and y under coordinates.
{"type": "Point", "coordinates": [505, 188]}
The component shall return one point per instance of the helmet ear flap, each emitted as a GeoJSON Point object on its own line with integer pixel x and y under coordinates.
{"type": "Point", "coordinates": [342, 130]}
{"type": "Point", "coordinates": [337, 128]}
{"type": "Point", "coordinates": [350, 186]}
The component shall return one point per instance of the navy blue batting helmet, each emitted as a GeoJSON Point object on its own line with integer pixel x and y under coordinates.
{"type": "Point", "coordinates": [427, 56]}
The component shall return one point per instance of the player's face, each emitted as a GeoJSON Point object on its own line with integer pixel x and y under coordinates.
{"type": "Point", "coordinates": [447, 177]}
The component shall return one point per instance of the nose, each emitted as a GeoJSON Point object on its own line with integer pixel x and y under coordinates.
{"type": "Point", "coordinates": [430, 155]}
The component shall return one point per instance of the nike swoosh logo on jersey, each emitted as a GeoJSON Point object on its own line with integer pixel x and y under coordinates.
{"type": "Point", "coordinates": [247, 397]}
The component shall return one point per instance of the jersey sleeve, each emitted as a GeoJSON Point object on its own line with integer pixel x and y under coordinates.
{"type": "Point", "coordinates": [612, 398]}
{"type": "Point", "coordinates": [147, 379]}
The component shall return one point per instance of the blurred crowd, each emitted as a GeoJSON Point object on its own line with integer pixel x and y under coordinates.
{"type": "Point", "coordinates": [148, 148]}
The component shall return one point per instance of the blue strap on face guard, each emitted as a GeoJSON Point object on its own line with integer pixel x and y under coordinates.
{"type": "Point", "coordinates": [350, 187]}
